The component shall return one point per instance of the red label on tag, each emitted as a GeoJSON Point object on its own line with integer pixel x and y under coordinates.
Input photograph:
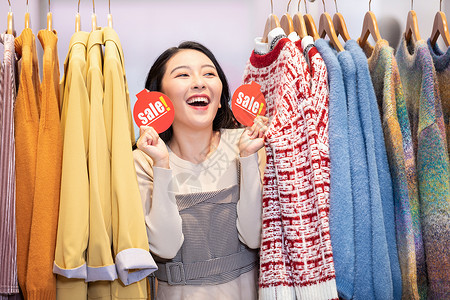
{"type": "Point", "coordinates": [247, 103]}
{"type": "Point", "coordinates": [153, 109]}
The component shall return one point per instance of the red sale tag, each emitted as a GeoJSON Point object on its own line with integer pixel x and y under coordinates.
{"type": "Point", "coordinates": [247, 103]}
{"type": "Point", "coordinates": [153, 109]}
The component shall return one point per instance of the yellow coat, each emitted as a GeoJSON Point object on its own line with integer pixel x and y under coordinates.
{"type": "Point", "coordinates": [72, 240]}
{"type": "Point", "coordinates": [113, 220]}
{"type": "Point", "coordinates": [130, 243]}
{"type": "Point", "coordinates": [100, 257]}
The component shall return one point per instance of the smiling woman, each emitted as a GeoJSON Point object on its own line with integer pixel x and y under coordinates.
{"type": "Point", "coordinates": [200, 183]}
{"type": "Point", "coordinates": [180, 65]}
{"type": "Point", "coordinates": [191, 81]}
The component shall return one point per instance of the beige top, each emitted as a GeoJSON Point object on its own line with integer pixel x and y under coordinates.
{"type": "Point", "coordinates": [220, 170]}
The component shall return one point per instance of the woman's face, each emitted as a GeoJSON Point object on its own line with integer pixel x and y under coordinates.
{"type": "Point", "coordinates": [193, 85]}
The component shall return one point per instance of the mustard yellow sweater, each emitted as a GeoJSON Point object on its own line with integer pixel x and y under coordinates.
{"type": "Point", "coordinates": [26, 124]}
{"type": "Point", "coordinates": [41, 282]}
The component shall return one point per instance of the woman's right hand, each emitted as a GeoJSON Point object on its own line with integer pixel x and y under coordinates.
{"type": "Point", "coordinates": [151, 144]}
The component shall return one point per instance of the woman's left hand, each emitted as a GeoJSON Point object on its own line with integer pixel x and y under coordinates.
{"type": "Point", "coordinates": [252, 139]}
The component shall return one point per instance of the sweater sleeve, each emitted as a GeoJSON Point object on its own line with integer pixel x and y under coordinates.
{"type": "Point", "coordinates": [249, 207]}
{"type": "Point", "coordinates": [341, 201]}
{"type": "Point", "coordinates": [378, 190]}
{"type": "Point", "coordinates": [162, 219]}
{"type": "Point", "coordinates": [384, 175]}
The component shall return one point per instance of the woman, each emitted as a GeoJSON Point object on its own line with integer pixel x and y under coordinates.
{"type": "Point", "coordinates": [200, 183]}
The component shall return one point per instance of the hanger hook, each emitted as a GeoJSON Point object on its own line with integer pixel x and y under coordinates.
{"type": "Point", "coordinates": [49, 6]}
{"type": "Point", "coordinates": [109, 6]}
{"type": "Point", "coordinates": [440, 5]}
{"type": "Point", "coordinates": [306, 8]}
{"type": "Point", "coordinates": [93, 6]}
{"type": "Point", "coordinates": [10, 9]}
{"type": "Point", "coordinates": [335, 4]}
{"type": "Point", "coordinates": [370, 2]}
{"type": "Point", "coordinates": [324, 9]}
{"type": "Point", "coordinates": [271, 6]}
{"type": "Point", "coordinates": [289, 3]}
{"type": "Point", "coordinates": [79, 6]}
{"type": "Point", "coordinates": [412, 4]}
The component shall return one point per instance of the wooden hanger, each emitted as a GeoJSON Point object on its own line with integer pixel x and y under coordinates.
{"type": "Point", "coordinates": [299, 23]}
{"type": "Point", "coordinates": [310, 25]}
{"type": "Point", "coordinates": [10, 21]}
{"type": "Point", "coordinates": [370, 27]}
{"type": "Point", "coordinates": [110, 21]}
{"type": "Point", "coordinates": [271, 23]}
{"type": "Point", "coordinates": [326, 28]}
{"type": "Point", "coordinates": [77, 22]}
{"type": "Point", "coordinates": [286, 21]}
{"type": "Point", "coordinates": [78, 19]}
{"type": "Point", "coordinates": [440, 27]}
{"type": "Point", "coordinates": [93, 17]}
{"type": "Point", "coordinates": [49, 21]}
{"type": "Point", "coordinates": [27, 18]}
{"type": "Point", "coordinates": [49, 18]}
{"type": "Point", "coordinates": [10, 24]}
{"type": "Point", "coordinates": [412, 27]}
{"type": "Point", "coordinates": [339, 24]}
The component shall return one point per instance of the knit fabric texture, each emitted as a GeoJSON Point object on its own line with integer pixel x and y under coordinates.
{"type": "Point", "coordinates": [317, 75]}
{"type": "Point", "coordinates": [388, 88]}
{"type": "Point", "coordinates": [41, 282]}
{"type": "Point", "coordinates": [419, 81]}
{"type": "Point", "coordinates": [386, 269]}
{"type": "Point", "coordinates": [341, 201]}
{"type": "Point", "coordinates": [441, 61]}
{"type": "Point", "coordinates": [363, 284]}
{"type": "Point", "coordinates": [26, 108]}
{"type": "Point", "coordinates": [296, 256]}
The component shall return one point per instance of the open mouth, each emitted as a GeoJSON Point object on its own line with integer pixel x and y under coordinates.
{"type": "Point", "coordinates": [198, 101]}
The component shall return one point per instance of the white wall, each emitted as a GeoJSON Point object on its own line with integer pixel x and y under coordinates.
{"type": "Point", "coordinates": [227, 27]}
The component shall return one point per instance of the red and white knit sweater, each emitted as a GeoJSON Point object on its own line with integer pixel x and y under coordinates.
{"type": "Point", "coordinates": [296, 258]}
{"type": "Point", "coordinates": [319, 90]}
{"type": "Point", "coordinates": [317, 75]}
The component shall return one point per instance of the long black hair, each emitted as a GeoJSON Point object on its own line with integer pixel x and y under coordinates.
{"type": "Point", "coordinates": [224, 117]}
